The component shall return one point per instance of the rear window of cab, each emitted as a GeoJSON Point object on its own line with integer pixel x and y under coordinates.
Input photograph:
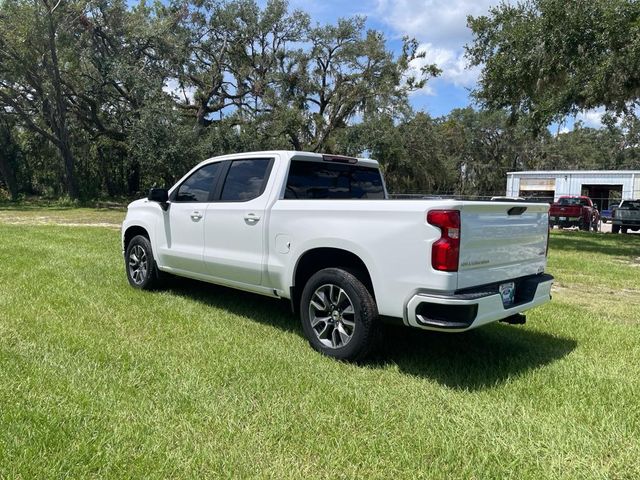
{"type": "Point", "coordinates": [328, 180]}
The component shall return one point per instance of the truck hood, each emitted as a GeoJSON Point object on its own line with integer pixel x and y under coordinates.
{"type": "Point", "coordinates": [137, 203]}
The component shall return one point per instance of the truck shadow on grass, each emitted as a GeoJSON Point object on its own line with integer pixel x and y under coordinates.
{"type": "Point", "coordinates": [474, 360]}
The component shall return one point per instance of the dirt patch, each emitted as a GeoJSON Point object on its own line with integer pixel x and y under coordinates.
{"type": "Point", "coordinates": [36, 221]}
{"type": "Point", "coordinates": [590, 293]}
{"type": "Point", "coordinates": [634, 262]}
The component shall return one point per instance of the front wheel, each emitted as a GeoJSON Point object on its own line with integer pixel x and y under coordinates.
{"type": "Point", "coordinates": [141, 267]}
{"type": "Point", "coordinates": [339, 315]}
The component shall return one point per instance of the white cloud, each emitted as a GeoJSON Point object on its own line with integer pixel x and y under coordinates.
{"type": "Point", "coordinates": [452, 63]}
{"type": "Point", "coordinates": [441, 28]}
{"type": "Point", "coordinates": [591, 118]}
{"type": "Point", "coordinates": [441, 22]}
{"type": "Point", "coordinates": [172, 87]}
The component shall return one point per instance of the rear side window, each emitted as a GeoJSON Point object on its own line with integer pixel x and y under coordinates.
{"type": "Point", "coordinates": [200, 184]}
{"type": "Point", "coordinates": [630, 205]}
{"type": "Point", "coordinates": [246, 179]}
{"type": "Point", "coordinates": [324, 180]}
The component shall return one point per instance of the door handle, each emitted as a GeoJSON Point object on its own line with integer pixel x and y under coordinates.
{"type": "Point", "coordinates": [196, 216]}
{"type": "Point", "coordinates": [251, 218]}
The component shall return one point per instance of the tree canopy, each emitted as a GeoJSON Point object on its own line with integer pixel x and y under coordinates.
{"type": "Point", "coordinates": [132, 96]}
{"type": "Point", "coordinates": [104, 98]}
{"type": "Point", "coordinates": [546, 59]}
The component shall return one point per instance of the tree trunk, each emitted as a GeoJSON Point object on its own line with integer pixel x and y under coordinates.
{"type": "Point", "coordinates": [8, 175]}
{"type": "Point", "coordinates": [134, 178]}
{"type": "Point", "coordinates": [106, 174]}
{"type": "Point", "coordinates": [7, 159]}
{"type": "Point", "coordinates": [70, 180]}
{"type": "Point", "coordinates": [59, 113]}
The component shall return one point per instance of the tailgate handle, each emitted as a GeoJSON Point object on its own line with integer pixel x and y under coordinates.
{"type": "Point", "coordinates": [516, 210]}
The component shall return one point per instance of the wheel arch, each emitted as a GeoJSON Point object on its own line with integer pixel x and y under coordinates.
{"type": "Point", "coordinates": [316, 259]}
{"type": "Point", "coordinates": [132, 232]}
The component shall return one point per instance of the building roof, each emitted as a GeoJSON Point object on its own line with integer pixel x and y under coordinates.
{"type": "Point", "coordinates": [576, 172]}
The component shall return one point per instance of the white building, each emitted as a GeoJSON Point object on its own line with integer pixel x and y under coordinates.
{"type": "Point", "coordinates": [603, 186]}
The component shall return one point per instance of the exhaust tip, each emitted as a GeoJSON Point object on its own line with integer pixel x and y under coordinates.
{"type": "Point", "coordinates": [517, 319]}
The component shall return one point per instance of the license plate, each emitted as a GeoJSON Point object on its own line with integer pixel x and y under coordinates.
{"type": "Point", "coordinates": [508, 293]}
{"type": "Point", "coordinates": [563, 218]}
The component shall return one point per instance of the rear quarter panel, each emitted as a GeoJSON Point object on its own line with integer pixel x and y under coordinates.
{"type": "Point", "coordinates": [391, 237]}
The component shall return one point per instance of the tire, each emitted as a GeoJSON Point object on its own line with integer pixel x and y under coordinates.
{"type": "Point", "coordinates": [623, 229]}
{"type": "Point", "coordinates": [140, 265]}
{"type": "Point", "coordinates": [339, 315]}
{"type": "Point", "coordinates": [615, 228]}
{"type": "Point", "coordinates": [584, 226]}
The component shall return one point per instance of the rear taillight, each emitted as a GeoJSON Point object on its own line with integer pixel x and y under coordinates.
{"type": "Point", "coordinates": [445, 251]}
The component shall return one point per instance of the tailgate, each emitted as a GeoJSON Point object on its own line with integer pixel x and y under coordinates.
{"type": "Point", "coordinates": [566, 210]}
{"type": "Point", "coordinates": [627, 214]}
{"type": "Point", "coordinates": [501, 241]}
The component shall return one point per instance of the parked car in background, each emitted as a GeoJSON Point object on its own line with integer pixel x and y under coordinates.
{"type": "Point", "coordinates": [574, 211]}
{"type": "Point", "coordinates": [626, 217]}
{"type": "Point", "coordinates": [320, 231]}
{"type": "Point", "coordinates": [607, 215]}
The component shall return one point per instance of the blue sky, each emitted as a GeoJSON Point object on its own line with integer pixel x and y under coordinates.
{"type": "Point", "coordinates": [438, 25]}
{"type": "Point", "coordinates": [440, 28]}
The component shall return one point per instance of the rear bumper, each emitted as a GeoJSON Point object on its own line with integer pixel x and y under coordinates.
{"type": "Point", "coordinates": [567, 222]}
{"type": "Point", "coordinates": [626, 223]}
{"type": "Point", "coordinates": [472, 308]}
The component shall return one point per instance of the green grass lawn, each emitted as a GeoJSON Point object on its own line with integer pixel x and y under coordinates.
{"type": "Point", "coordinates": [100, 380]}
{"type": "Point", "coordinates": [39, 214]}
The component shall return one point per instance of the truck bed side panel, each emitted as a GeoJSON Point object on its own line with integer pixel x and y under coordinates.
{"type": "Point", "coordinates": [391, 237]}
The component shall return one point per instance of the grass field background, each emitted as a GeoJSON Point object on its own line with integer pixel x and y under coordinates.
{"type": "Point", "coordinates": [98, 380]}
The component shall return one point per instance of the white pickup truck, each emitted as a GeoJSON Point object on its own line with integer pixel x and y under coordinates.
{"type": "Point", "coordinates": [319, 230]}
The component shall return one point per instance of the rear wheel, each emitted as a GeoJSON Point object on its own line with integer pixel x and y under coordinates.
{"type": "Point", "coordinates": [615, 228]}
{"type": "Point", "coordinates": [142, 271]}
{"type": "Point", "coordinates": [339, 315]}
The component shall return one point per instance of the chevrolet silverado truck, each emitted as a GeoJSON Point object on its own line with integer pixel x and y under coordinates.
{"type": "Point", "coordinates": [320, 231]}
{"type": "Point", "coordinates": [626, 217]}
{"type": "Point", "coordinates": [574, 211]}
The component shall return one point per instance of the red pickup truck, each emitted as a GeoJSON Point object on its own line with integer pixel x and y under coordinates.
{"type": "Point", "coordinates": [570, 211]}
